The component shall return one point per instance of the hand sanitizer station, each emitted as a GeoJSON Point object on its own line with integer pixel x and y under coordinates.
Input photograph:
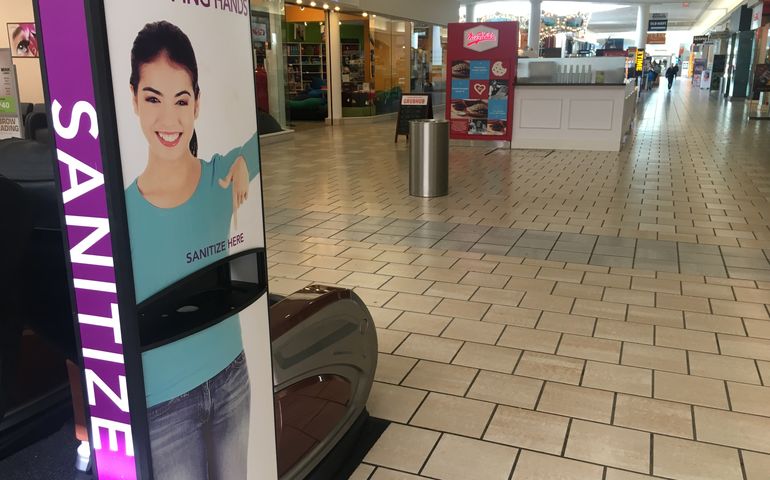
{"type": "Point", "coordinates": [185, 373]}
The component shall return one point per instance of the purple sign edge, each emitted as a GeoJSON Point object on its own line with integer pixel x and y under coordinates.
{"type": "Point", "coordinates": [69, 76]}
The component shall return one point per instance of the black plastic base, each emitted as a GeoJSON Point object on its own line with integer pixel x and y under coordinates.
{"type": "Point", "coordinates": [345, 457]}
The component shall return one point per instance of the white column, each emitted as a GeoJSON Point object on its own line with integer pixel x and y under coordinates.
{"type": "Point", "coordinates": [642, 20]}
{"type": "Point", "coordinates": [533, 37]}
{"type": "Point", "coordinates": [470, 12]}
{"type": "Point", "coordinates": [334, 68]}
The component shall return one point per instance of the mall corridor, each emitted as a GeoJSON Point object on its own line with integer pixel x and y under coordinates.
{"type": "Point", "coordinates": [561, 314]}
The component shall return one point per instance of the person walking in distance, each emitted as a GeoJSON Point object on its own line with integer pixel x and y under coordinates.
{"type": "Point", "coordinates": [671, 73]}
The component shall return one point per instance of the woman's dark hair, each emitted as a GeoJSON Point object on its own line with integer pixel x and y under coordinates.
{"type": "Point", "coordinates": [166, 38]}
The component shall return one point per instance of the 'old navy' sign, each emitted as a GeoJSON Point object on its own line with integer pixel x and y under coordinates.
{"type": "Point", "coordinates": [481, 39]}
{"type": "Point", "coordinates": [80, 162]}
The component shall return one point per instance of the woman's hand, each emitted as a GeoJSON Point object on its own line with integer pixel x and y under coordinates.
{"type": "Point", "coordinates": [238, 176]}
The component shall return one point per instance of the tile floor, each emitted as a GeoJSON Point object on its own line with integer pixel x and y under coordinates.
{"type": "Point", "coordinates": [561, 314]}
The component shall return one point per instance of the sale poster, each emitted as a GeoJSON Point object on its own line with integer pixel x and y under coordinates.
{"type": "Point", "coordinates": [482, 59]}
{"type": "Point", "coordinates": [10, 120]}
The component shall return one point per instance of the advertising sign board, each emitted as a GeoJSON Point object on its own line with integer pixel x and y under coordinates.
{"type": "Point", "coordinates": [10, 115]}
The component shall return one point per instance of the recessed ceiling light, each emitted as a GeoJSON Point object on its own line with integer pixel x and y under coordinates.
{"type": "Point", "coordinates": [365, 14]}
{"type": "Point", "coordinates": [299, 2]}
{"type": "Point", "coordinates": [337, 8]}
{"type": "Point", "coordinates": [326, 6]}
{"type": "Point", "coordinates": [313, 4]}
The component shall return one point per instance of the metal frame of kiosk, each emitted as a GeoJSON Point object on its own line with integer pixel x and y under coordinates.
{"type": "Point", "coordinates": [78, 85]}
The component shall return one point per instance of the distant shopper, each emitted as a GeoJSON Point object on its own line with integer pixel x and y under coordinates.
{"type": "Point", "coordinates": [671, 73]}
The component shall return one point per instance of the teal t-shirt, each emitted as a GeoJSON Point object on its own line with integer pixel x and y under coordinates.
{"type": "Point", "coordinates": [161, 238]}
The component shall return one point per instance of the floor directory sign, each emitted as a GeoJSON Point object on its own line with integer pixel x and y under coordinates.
{"type": "Point", "coordinates": [481, 76]}
{"type": "Point", "coordinates": [10, 118]}
{"type": "Point", "coordinates": [159, 166]}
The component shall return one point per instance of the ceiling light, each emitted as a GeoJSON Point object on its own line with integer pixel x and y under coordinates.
{"type": "Point", "coordinates": [313, 4]}
{"type": "Point", "coordinates": [299, 2]}
{"type": "Point", "coordinates": [365, 14]}
{"type": "Point", "coordinates": [326, 6]}
{"type": "Point", "coordinates": [337, 8]}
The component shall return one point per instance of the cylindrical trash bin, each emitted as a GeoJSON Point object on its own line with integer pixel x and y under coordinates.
{"type": "Point", "coordinates": [428, 158]}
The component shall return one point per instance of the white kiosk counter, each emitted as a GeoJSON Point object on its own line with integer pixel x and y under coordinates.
{"type": "Point", "coordinates": [572, 104]}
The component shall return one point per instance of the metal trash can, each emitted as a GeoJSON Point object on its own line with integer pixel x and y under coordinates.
{"type": "Point", "coordinates": [428, 158]}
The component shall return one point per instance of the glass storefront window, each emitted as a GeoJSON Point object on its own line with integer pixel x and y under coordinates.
{"type": "Point", "coordinates": [270, 73]}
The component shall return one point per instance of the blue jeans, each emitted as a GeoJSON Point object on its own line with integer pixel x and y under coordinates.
{"type": "Point", "coordinates": [204, 434]}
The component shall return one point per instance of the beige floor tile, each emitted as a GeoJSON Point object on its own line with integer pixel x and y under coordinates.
{"type": "Point", "coordinates": [706, 290]}
{"type": "Point", "coordinates": [757, 466]}
{"type": "Point", "coordinates": [439, 377]}
{"type": "Point", "coordinates": [757, 328]}
{"type": "Point", "coordinates": [656, 358]}
{"type": "Point", "coordinates": [593, 308]}
{"type": "Point", "coordinates": [483, 266]}
{"type": "Point", "coordinates": [756, 348]}
{"type": "Point", "coordinates": [681, 302]}
{"type": "Point", "coordinates": [374, 298]}
{"type": "Point", "coordinates": [632, 297]}
{"type": "Point", "coordinates": [613, 474]}
{"type": "Point", "coordinates": [489, 280]}
{"type": "Point", "coordinates": [550, 367]}
{"type": "Point", "coordinates": [651, 415]}
{"type": "Point", "coordinates": [618, 378]}
{"type": "Point", "coordinates": [407, 285]}
{"type": "Point", "coordinates": [421, 323]}
{"type": "Point", "coordinates": [689, 389]}
{"type": "Point", "coordinates": [366, 280]}
{"type": "Point", "coordinates": [527, 429]}
{"type": "Point", "coordinates": [656, 285]}
{"type": "Point", "coordinates": [764, 371]}
{"type": "Point", "coordinates": [434, 261]}
{"type": "Point", "coordinates": [590, 348]}
{"type": "Point", "coordinates": [733, 429]}
{"type": "Point", "coordinates": [328, 250]}
{"type": "Point", "coordinates": [413, 303]}
{"type": "Point", "coordinates": [287, 286]}
{"type": "Point", "coordinates": [459, 458]}
{"type": "Point", "coordinates": [749, 399]}
{"type": "Point", "coordinates": [363, 472]}
{"type": "Point", "coordinates": [360, 253]}
{"type": "Point", "coordinates": [723, 367]}
{"type": "Point", "coordinates": [442, 274]}
{"type": "Point", "coordinates": [451, 290]}
{"type": "Point", "coordinates": [559, 275]}
{"type": "Point", "coordinates": [740, 309]}
{"type": "Point", "coordinates": [396, 257]}
{"type": "Point", "coordinates": [487, 357]}
{"type": "Point", "coordinates": [576, 402]}
{"type": "Point", "coordinates": [473, 331]}
{"type": "Point", "coordinates": [544, 301]}
{"type": "Point", "coordinates": [506, 389]}
{"type": "Point", "coordinates": [590, 292]}
{"type": "Point", "coordinates": [529, 339]}
{"type": "Point", "coordinates": [608, 445]}
{"type": "Point", "coordinates": [656, 316]}
{"type": "Point", "coordinates": [451, 414]}
{"type": "Point", "coordinates": [401, 270]}
{"type": "Point", "coordinates": [402, 447]}
{"type": "Point", "coordinates": [521, 317]}
{"type": "Point", "coordinates": [394, 403]}
{"type": "Point", "coordinates": [498, 296]}
{"type": "Point", "coordinates": [391, 368]}
{"type": "Point", "coordinates": [389, 340]}
{"type": "Point", "coordinates": [387, 474]}
{"type": "Point", "coordinates": [462, 309]}
{"type": "Point", "coordinates": [429, 348]}
{"type": "Point", "coordinates": [287, 270]}
{"type": "Point", "coordinates": [383, 317]}
{"type": "Point", "coordinates": [530, 285]}
{"type": "Point", "coordinates": [539, 466]}
{"type": "Point", "coordinates": [624, 331]}
{"type": "Point", "coordinates": [752, 295]}
{"type": "Point", "coordinates": [713, 323]}
{"type": "Point", "coordinates": [365, 266]}
{"type": "Point", "coordinates": [686, 339]}
{"type": "Point", "coordinates": [607, 280]}
{"type": "Point", "coordinates": [525, 271]}
{"type": "Point", "coordinates": [688, 460]}
{"type": "Point", "coordinates": [566, 323]}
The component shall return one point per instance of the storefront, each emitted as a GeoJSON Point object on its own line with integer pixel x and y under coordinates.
{"type": "Point", "coordinates": [318, 61]}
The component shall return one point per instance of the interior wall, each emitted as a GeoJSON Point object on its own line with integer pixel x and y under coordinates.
{"type": "Point", "coordinates": [27, 69]}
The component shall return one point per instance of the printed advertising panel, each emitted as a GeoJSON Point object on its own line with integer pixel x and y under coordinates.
{"type": "Point", "coordinates": [159, 162]}
{"type": "Point", "coordinates": [10, 118]}
{"type": "Point", "coordinates": [482, 73]}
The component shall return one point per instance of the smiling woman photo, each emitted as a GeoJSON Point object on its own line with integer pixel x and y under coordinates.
{"type": "Point", "coordinates": [197, 388]}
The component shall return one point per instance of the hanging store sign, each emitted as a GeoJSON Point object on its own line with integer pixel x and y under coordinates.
{"type": "Point", "coordinates": [482, 71]}
{"type": "Point", "coordinates": [639, 60]}
{"type": "Point", "coordinates": [699, 39]}
{"type": "Point", "coordinates": [658, 22]}
{"type": "Point", "coordinates": [756, 15]}
{"type": "Point", "coordinates": [656, 38]}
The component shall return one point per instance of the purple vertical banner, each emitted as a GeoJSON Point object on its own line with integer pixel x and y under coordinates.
{"type": "Point", "coordinates": [67, 63]}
